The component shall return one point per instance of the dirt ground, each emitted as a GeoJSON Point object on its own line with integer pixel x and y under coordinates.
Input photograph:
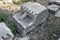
{"type": "Point", "coordinates": [44, 2]}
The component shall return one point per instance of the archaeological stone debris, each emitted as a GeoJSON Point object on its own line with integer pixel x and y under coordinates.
{"type": "Point", "coordinates": [53, 8]}
{"type": "Point", "coordinates": [5, 32]}
{"type": "Point", "coordinates": [31, 15]}
{"type": "Point", "coordinates": [23, 38]}
{"type": "Point", "coordinates": [54, 2]}
{"type": "Point", "coordinates": [32, 21]}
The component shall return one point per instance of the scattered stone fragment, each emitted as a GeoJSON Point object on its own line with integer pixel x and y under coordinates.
{"type": "Point", "coordinates": [54, 2]}
{"type": "Point", "coordinates": [31, 15]}
{"type": "Point", "coordinates": [57, 14]}
{"type": "Point", "coordinates": [5, 32]}
{"type": "Point", "coordinates": [23, 38]}
{"type": "Point", "coordinates": [53, 8]}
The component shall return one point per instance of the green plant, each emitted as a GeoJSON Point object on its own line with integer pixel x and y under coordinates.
{"type": "Point", "coordinates": [16, 1]}
{"type": "Point", "coordinates": [24, 0]}
{"type": "Point", "coordinates": [3, 16]}
{"type": "Point", "coordinates": [12, 26]}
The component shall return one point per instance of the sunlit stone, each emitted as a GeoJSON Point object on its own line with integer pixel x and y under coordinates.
{"type": "Point", "coordinates": [31, 15]}
{"type": "Point", "coordinates": [5, 32]}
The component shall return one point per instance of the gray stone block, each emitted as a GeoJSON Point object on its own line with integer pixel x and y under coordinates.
{"type": "Point", "coordinates": [31, 15]}
{"type": "Point", "coordinates": [54, 2]}
{"type": "Point", "coordinates": [53, 8]}
{"type": "Point", "coordinates": [5, 32]}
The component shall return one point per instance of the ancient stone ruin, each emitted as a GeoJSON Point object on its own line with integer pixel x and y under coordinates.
{"type": "Point", "coordinates": [31, 15]}
{"type": "Point", "coordinates": [54, 2]}
{"type": "Point", "coordinates": [53, 8]}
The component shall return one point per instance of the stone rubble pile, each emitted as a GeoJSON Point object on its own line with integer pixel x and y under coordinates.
{"type": "Point", "coordinates": [27, 19]}
{"type": "Point", "coordinates": [54, 9]}
{"type": "Point", "coordinates": [30, 17]}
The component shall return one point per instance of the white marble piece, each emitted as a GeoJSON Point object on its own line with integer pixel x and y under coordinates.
{"type": "Point", "coordinates": [5, 32]}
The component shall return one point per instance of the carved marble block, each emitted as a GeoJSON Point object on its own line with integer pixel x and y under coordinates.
{"type": "Point", "coordinates": [31, 15]}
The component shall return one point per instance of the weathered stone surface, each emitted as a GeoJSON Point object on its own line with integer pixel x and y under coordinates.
{"type": "Point", "coordinates": [57, 14]}
{"type": "Point", "coordinates": [53, 8]}
{"type": "Point", "coordinates": [5, 32]}
{"type": "Point", "coordinates": [23, 38]}
{"type": "Point", "coordinates": [54, 2]}
{"type": "Point", "coordinates": [32, 14]}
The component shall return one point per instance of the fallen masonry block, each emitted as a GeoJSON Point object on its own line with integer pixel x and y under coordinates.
{"type": "Point", "coordinates": [57, 14]}
{"type": "Point", "coordinates": [31, 15]}
{"type": "Point", "coordinates": [54, 2]}
{"type": "Point", "coordinates": [5, 32]}
{"type": "Point", "coordinates": [53, 8]}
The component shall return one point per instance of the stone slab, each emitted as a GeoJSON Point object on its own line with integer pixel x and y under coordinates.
{"type": "Point", "coordinates": [53, 8]}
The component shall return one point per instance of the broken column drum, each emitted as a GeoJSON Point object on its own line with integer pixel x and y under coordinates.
{"type": "Point", "coordinates": [30, 16]}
